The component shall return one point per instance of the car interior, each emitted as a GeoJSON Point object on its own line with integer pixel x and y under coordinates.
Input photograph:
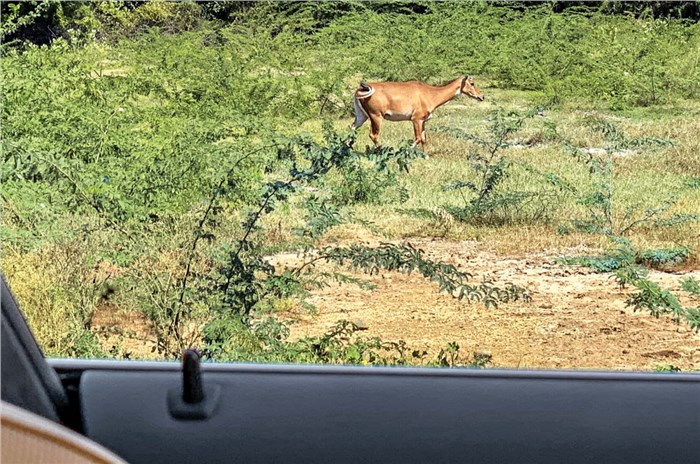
{"type": "Point", "coordinates": [71, 410]}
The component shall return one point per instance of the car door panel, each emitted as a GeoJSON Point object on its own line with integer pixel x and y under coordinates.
{"type": "Point", "coordinates": [270, 413]}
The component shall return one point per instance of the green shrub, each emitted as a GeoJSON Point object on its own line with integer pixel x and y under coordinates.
{"type": "Point", "coordinates": [486, 199]}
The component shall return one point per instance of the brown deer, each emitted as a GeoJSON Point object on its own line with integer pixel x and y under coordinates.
{"type": "Point", "coordinates": [404, 101]}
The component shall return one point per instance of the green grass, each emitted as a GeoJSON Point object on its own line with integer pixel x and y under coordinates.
{"type": "Point", "coordinates": [642, 178]}
{"type": "Point", "coordinates": [119, 144]}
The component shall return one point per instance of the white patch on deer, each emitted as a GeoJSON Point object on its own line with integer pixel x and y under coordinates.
{"type": "Point", "coordinates": [360, 114]}
{"type": "Point", "coordinates": [366, 94]}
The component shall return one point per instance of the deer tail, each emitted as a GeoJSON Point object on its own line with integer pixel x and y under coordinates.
{"type": "Point", "coordinates": [364, 91]}
{"type": "Point", "coordinates": [360, 113]}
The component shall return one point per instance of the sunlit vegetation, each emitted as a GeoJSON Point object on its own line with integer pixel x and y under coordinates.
{"type": "Point", "coordinates": [157, 156]}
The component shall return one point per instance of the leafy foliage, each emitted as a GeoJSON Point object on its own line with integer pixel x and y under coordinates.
{"type": "Point", "coordinates": [664, 256]}
{"type": "Point", "coordinates": [626, 255]}
{"type": "Point", "coordinates": [268, 342]}
{"type": "Point", "coordinates": [605, 214]}
{"type": "Point", "coordinates": [406, 258]}
{"type": "Point", "coordinates": [657, 301]}
{"type": "Point", "coordinates": [647, 61]}
{"type": "Point", "coordinates": [487, 201]}
{"type": "Point", "coordinates": [691, 286]}
{"type": "Point", "coordinates": [627, 265]}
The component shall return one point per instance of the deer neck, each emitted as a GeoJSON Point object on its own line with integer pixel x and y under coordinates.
{"type": "Point", "coordinates": [447, 92]}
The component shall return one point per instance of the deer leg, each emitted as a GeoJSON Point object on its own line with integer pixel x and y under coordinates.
{"type": "Point", "coordinates": [417, 131]}
{"type": "Point", "coordinates": [374, 131]}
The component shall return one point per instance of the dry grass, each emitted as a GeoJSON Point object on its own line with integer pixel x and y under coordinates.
{"type": "Point", "coordinates": [51, 303]}
{"type": "Point", "coordinates": [644, 178]}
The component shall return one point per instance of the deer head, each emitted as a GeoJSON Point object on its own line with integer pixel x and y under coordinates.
{"type": "Point", "coordinates": [468, 88]}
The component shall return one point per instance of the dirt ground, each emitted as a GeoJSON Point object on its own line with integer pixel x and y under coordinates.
{"type": "Point", "coordinates": [577, 319]}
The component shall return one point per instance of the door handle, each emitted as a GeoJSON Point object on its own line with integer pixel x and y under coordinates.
{"type": "Point", "coordinates": [193, 400]}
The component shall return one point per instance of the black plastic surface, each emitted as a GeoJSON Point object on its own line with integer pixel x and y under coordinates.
{"type": "Point", "coordinates": [26, 378]}
{"type": "Point", "coordinates": [183, 410]}
{"type": "Point", "coordinates": [339, 414]}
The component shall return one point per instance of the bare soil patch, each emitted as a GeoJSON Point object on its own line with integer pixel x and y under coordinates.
{"type": "Point", "coordinates": [123, 333]}
{"type": "Point", "coordinates": [577, 319]}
